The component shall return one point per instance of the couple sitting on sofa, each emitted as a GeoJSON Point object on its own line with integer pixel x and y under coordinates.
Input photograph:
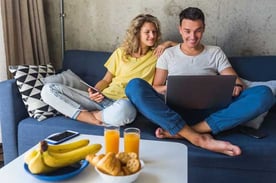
{"type": "Point", "coordinates": [134, 80]}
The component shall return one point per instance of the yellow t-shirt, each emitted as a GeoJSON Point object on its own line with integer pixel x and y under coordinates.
{"type": "Point", "coordinates": [125, 70]}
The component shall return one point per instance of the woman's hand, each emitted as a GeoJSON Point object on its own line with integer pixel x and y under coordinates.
{"type": "Point", "coordinates": [95, 96]}
{"type": "Point", "coordinates": [161, 48]}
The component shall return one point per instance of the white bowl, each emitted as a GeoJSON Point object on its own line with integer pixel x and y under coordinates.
{"type": "Point", "coordinates": [120, 179]}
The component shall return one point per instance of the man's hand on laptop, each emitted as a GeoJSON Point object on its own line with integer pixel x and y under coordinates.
{"type": "Point", "coordinates": [160, 89]}
{"type": "Point", "coordinates": [237, 89]}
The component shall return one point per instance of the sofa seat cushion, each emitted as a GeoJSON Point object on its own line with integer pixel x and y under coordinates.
{"type": "Point", "coordinates": [257, 153]}
{"type": "Point", "coordinates": [38, 131]}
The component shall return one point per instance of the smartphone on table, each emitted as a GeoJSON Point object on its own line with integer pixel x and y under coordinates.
{"type": "Point", "coordinates": [58, 138]}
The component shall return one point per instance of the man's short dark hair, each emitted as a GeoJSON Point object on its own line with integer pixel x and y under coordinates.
{"type": "Point", "coordinates": [192, 13]}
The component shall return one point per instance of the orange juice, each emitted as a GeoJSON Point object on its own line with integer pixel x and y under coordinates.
{"type": "Point", "coordinates": [111, 137]}
{"type": "Point", "coordinates": [131, 141]}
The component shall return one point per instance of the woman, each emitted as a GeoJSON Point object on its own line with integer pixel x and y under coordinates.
{"type": "Point", "coordinates": [136, 58]}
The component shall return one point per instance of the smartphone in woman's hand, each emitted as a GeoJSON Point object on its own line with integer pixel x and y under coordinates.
{"type": "Point", "coordinates": [89, 86]}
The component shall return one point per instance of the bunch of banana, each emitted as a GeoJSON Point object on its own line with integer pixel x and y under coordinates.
{"type": "Point", "coordinates": [58, 160]}
{"type": "Point", "coordinates": [36, 163]}
{"type": "Point", "coordinates": [61, 148]}
{"type": "Point", "coordinates": [48, 158]}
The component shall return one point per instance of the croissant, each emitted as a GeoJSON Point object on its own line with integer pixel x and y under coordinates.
{"type": "Point", "coordinates": [109, 164]}
{"type": "Point", "coordinates": [94, 159]}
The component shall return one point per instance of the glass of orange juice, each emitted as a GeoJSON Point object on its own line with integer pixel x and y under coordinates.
{"type": "Point", "coordinates": [132, 140]}
{"type": "Point", "coordinates": [111, 138]}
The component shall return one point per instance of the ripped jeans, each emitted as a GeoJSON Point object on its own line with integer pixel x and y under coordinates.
{"type": "Point", "coordinates": [71, 101]}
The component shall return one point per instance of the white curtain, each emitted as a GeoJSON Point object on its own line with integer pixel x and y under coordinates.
{"type": "Point", "coordinates": [3, 72]}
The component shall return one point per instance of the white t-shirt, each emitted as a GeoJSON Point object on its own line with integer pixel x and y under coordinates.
{"type": "Point", "coordinates": [210, 61]}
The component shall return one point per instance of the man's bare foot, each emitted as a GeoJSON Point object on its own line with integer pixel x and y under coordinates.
{"type": "Point", "coordinates": [206, 141]}
{"type": "Point", "coordinates": [161, 133]}
{"type": "Point", "coordinates": [89, 117]}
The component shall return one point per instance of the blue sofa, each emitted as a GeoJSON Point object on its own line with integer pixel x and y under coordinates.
{"type": "Point", "coordinates": [256, 164]}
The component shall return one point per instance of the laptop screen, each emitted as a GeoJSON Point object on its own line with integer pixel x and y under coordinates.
{"type": "Point", "coordinates": [200, 91]}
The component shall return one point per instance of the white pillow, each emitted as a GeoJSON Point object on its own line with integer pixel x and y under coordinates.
{"type": "Point", "coordinates": [67, 78]}
{"type": "Point", "coordinates": [256, 122]}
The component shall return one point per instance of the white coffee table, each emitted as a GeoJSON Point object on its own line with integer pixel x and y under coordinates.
{"type": "Point", "coordinates": [165, 162]}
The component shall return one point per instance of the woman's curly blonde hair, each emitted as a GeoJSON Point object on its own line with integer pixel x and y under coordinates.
{"type": "Point", "coordinates": [131, 42]}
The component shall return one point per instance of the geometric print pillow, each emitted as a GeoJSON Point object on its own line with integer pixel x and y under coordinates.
{"type": "Point", "coordinates": [29, 85]}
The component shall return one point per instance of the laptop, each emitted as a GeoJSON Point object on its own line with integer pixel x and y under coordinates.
{"type": "Point", "coordinates": [199, 91]}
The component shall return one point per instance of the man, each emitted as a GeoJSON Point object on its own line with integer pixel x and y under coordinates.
{"type": "Point", "coordinates": [192, 57]}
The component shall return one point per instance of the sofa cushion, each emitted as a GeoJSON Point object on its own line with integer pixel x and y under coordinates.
{"type": "Point", "coordinates": [29, 85]}
{"type": "Point", "coordinates": [256, 153]}
{"type": "Point", "coordinates": [38, 131]}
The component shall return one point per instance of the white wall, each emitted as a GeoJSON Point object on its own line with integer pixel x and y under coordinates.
{"type": "Point", "coordinates": [240, 27]}
{"type": "Point", "coordinates": [3, 75]}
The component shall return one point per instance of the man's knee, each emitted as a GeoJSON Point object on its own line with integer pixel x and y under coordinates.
{"type": "Point", "coordinates": [133, 85]}
{"type": "Point", "coordinates": [263, 94]}
{"type": "Point", "coordinates": [137, 87]}
{"type": "Point", "coordinates": [266, 93]}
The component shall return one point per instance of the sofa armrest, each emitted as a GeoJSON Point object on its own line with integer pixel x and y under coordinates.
{"type": "Point", "coordinates": [12, 111]}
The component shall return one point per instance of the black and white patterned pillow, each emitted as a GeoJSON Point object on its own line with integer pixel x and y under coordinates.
{"type": "Point", "coordinates": [29, 85]}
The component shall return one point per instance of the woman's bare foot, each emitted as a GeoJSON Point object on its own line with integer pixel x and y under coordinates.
{"type": "Point", "coordinates": [89, 117]}
{"type": "Point", "coordinates": [161, 133]}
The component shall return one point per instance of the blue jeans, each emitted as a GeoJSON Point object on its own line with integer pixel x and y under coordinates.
{"type": "Point", "coordinates": [71, 101]}
{"type": "Point", "coordinates": [248, 105]}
